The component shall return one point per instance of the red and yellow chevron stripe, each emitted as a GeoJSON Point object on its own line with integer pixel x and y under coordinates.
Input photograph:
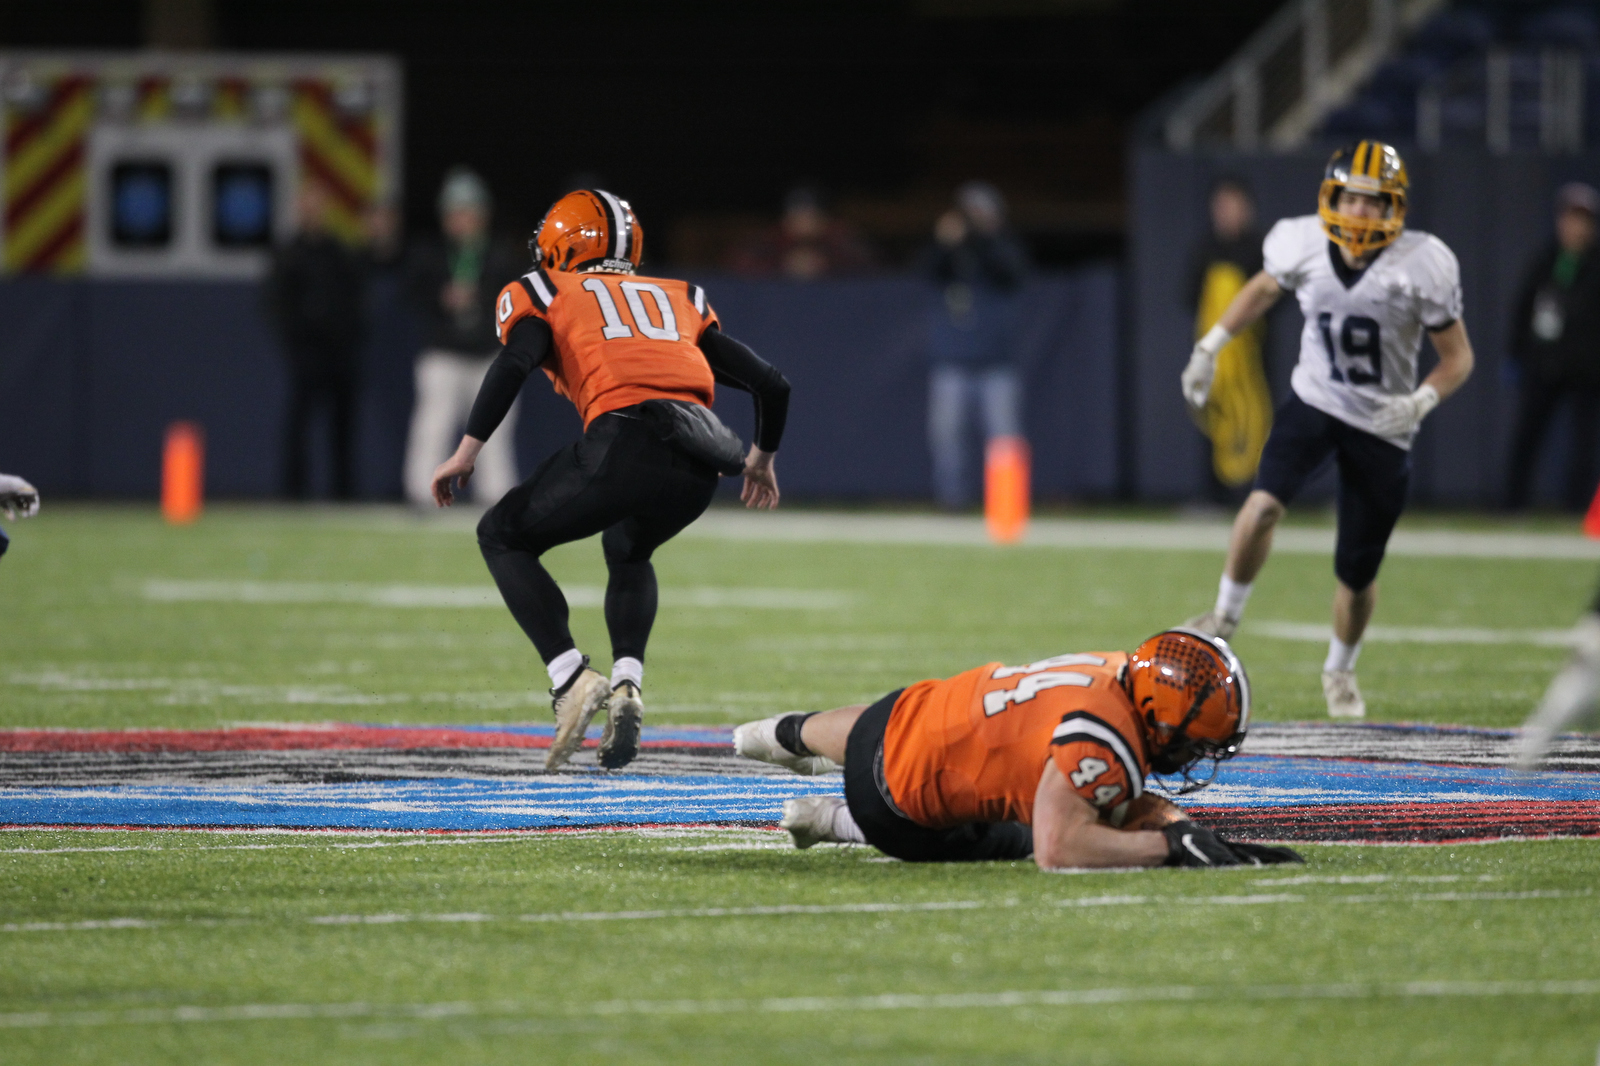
{"type": "Point", "coordinates": [339, 152]}
{"type": "Point", "coordinates": [45, 184]}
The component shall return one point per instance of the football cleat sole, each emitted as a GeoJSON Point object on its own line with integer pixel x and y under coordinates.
{"type": "Point", "coordinates": [759, 740]}
{"type": "Point", "coordinates": [619, 744]}
{"type": "Point", "coordinates": [575, 709]}
{"type": "Point", "coordinates": [809, 820]}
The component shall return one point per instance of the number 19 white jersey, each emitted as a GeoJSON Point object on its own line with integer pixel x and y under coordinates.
{"type": "Point", "coordinates": [1363, 332]}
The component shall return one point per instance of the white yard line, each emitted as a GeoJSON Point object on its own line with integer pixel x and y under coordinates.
{"type": "Point", "coordinates": [164, 590]}
{"type": "Point", "coordinates": [1319, 632]}
{"type": "Point", "coordinates": [1066, 997]}
{"type": "Point", "coordinates": [396, 839]}
{"type": "Point", "coordinates": [778, 910]}
{"type": "Point", "coordinates": [946, 531]}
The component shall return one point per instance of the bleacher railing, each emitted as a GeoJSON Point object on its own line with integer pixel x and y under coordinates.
{"type": "Point", "coordinates": [1308, 59]}
{"type": "Point", "coordinates": [1506, 98]}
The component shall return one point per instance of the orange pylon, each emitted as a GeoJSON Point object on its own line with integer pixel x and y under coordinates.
{"type": "Point", "coordinates": [183, 473]}
{"type": "Point", "coordinates": [1006, 475]}
{"type": "Point", "coordinates": [1591, 521]}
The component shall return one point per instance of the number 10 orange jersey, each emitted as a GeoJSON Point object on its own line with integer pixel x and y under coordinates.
{"type": "Point", "coordinates": [619, 339]}
{"type": "Point", "coordinates": [971, 748]}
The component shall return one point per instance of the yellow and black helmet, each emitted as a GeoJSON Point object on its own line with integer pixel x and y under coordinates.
{"type": "Point", "coordinates": [1370, 168]}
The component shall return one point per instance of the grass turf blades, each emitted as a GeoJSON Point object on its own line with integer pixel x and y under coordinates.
{"type": "Point", "coordinates": [342, 945]}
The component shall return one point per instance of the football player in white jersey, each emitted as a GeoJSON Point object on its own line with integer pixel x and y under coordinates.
{"type": "Point", "coordinates": [1368, 288]}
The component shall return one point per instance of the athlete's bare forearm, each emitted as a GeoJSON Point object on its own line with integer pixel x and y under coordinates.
{"type": "Point", "coordinates": [1067, 833]}
{"type": "Point", "coordinates": [1253, 301]}
{"type": "Point", "coordinates": [1455, 359]}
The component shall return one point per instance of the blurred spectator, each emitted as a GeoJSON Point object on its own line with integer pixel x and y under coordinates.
{"type": "Point", "coordinates": [805, 245]}
{"type": "Point", "coordinates": [1238, 413]}
{"type": "Point", "coordinates": [315, 296]}
{"type": "Point", "coordinates": [453, 283]}
{"type": "Point", "coordinates": [1556, 349]}
{"type": "Point", "coordinates": [979, 267]}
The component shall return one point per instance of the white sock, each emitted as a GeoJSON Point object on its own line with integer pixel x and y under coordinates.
{"type": "Point", "coordinates": [563, 666]}
{"type": "Point", "coordinates": [1341, 656]}
{"type": "Point", "coordinates": [845, 830]}
{"type": "Point", "coordinates": [1231, 597]}
{"type": "Point", "coordinates": [627, 668]}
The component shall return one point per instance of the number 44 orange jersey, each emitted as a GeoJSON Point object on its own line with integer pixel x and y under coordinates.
{"type": "Point", "coordinates": [971, 748]}
{"type": "Point", "coordinates": [619, 339]}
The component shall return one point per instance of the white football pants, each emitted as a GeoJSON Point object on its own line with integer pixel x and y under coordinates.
{"type": "Point", "coordinates": [447, 383]}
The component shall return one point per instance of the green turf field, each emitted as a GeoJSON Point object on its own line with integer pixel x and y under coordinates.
{"type": "Point", "coordinates": [196, 947]}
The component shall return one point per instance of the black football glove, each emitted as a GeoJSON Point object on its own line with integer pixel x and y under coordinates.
{"type": "Point", "coordinates": [1189, 844]}
{"type": "Point", "coordinates": [1261, 854]}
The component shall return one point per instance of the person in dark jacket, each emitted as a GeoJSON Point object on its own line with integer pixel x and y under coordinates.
{"type": "Point", "coordinates": [316, 294]}
{"type": "Point", "coordinates": [979, 266]}
{"type": "Point", "coordinates": [452, 285]}
{"type": "Point", "coordinates": [1556, 348]}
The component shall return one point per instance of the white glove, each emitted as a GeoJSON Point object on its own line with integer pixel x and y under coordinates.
{"type": "Point", "coordinates": [1401, 415]}
{"type": "Point", "coordinates": [17, 497]}
{"type": "Point", "coordinates": [1196, 377]}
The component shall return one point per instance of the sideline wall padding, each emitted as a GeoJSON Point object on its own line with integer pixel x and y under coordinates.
{"type": "Point", "coordinates": [91, 373]}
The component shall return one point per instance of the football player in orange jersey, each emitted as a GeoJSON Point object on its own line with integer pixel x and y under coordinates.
{"type": "Point", "coordinates": [639, 357]}
{"type": "Point", "coordinates": [1047, 759]}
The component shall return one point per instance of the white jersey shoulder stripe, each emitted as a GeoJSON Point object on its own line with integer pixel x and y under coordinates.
{"type": "Point", "coordinates": [540, 287]}
{"type": "Point", "coordinates": [1083, 725]}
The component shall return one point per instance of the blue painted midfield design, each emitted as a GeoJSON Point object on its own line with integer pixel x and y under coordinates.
{"type": "Point", "coordinates": [478, 804]}
{"type": "Point", "coordinates": [448, 803]}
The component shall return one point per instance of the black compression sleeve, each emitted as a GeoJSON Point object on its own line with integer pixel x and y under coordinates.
{"type": "Point", "coordinates": [527, 347]}
{"type": "Point", "coordinates": [735, 364]}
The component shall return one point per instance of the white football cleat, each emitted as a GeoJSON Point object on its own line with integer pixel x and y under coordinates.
{"type": "Point", "coordinates": [1213, 624]}
{"type": "Point", "coordinates": [619, 744]}
{"type": "Point", "coordinates": [1571, 696]}
{"type": "Point", "coordinates": [810, 820]}
{"type": "Point", "coordinates": [759, 740]}
{"type": "Point", "coordinates": [575, 708]}
{"type": "Point", "coordinates": [1343, 694]}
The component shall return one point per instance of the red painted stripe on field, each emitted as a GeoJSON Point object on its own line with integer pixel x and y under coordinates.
{"type": "Point", "coordinates": [335, 830]}
{"type": "Point", "coordinates": [310, 738]}
{"type": "Point", "coordinates": [1438, 823]}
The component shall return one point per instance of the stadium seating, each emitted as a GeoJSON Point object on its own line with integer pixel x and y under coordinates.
{"type": "Point", "coordinates": [1450, 57]}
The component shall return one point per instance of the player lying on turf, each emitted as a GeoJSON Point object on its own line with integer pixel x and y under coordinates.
{"type": "Point", "coordinates": [640, 358]}
{"type": "Point", "coordinates": [17, 497]}
{"type": "Point", "coordinates": [1048, 760]}
{"type": "Point", "coordinates": [1368, 288]}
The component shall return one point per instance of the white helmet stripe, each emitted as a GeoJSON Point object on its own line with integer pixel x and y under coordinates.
{"type": "Point", "coordinates": [619, 225]}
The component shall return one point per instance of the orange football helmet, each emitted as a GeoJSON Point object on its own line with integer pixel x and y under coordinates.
{"type": "Point", "coordinates": [1371, 168]}
{"type": "Point", "coordinates": [1191, 693]}
{"type": "Point", "coordinates": [589, 230]}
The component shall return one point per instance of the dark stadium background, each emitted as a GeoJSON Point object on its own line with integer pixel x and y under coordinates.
{"type": "Point", "coordinates": [712, 110]}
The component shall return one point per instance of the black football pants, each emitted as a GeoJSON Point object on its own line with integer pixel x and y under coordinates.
{"type": "Point", "coordinates": [890, 831]}
{"type": "Point", "coordinates": [619, 478]}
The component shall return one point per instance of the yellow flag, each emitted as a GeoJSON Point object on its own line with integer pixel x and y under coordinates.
{"type": "Point", "coordinates": [1238, 412]}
